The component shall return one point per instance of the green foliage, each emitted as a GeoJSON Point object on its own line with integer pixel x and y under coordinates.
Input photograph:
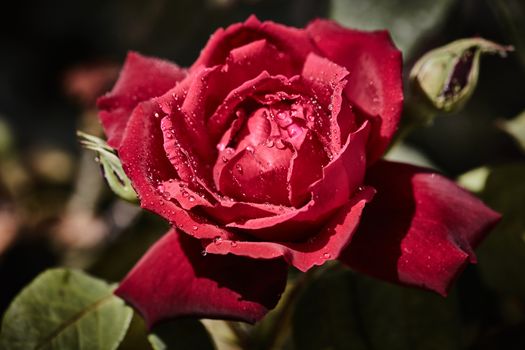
{"type": "Point", "coordinates": [180, 334]}
{"type": "Point", "coordinates": [114, 174]}
{"type": "Point", "coordinates": [510, 14]}
{"type": "Point", "coordinates": [502, 255]}
{"type": "Point", "coordinates": [341, 310]}
{"type": "Point", "coordinates": [408, 21]}
{"type": "Point", "coordinates": [516, 128]}
{"type": "Point", "coordinates": [65, 309]}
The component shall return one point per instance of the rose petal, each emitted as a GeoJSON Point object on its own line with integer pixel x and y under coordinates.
{"type": "Point", "coordinates": [327, 244]}
{"type": "Point", "coordinates": [222, 118]}
{"type": "Point", "coordinates": [375, 85]}
{"type": "Point", "coordinates": [185, 196]}
{"type": "Point", "coordinates": [147, 166]}
{"type": "Point", "coordinates": [420, 229]}
{"type": "Point", "coordinates": [141, 78]}
{"type": "Point", "coordinates": [340, 179]}
{"type": "Point", "coordinates": [295, 42]}
{"type": "Point", "coordinates": [228, 210]}
{"type": "Point", "coordinates": [258, 176]}
{"type": "Point", "coordinates": [257, 129]}
{"type": "Point", "coordinates": [327, 80]}
{"type": "Point", "coordinates": [173, 280]}
{"type": "Point", "coordinates": [306, 167]}
{"type": "Point", "coordinates": [247, 61]}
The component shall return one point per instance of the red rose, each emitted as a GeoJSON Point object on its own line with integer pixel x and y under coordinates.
{"type": "Point", "coordinates": [265, 153]}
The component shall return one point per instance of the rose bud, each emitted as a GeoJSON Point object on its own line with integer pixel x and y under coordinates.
{"type": "Point", "coordinates": [445, 78]}
{"type": "Point", "coordinates": [266, 153]}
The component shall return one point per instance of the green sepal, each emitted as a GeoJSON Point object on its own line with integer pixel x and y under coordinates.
{"type": "Point", "coordinates": [114, 174]}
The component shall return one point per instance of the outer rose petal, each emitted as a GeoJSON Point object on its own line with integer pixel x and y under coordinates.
{"type": "Point", "coordinates": [420, 229]}
{"type": "Point", "coordinates": [374, 85]}
{"type": "Point", "coordinates": [173, 279]}
{"type": "Point", "coordinates": [141, 78]}
{"type": "Point", "coordinates": [292, 41]}
{"type": "Point", "coordinates": [147, 166]}
{"type": "Point", "coordinates": [331, 239]}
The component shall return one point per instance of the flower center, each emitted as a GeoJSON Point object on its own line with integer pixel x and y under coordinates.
{"type": "Point", "coordinates": [258, 153]}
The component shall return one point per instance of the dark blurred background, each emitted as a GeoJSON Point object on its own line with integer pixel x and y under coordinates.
{"type": "Point", "coordinates": [57, 56]}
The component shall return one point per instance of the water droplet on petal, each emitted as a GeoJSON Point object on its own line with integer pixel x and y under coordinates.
{"type": "Point", "coordinates": [269, 143]}
{"type": "Point", "coordinates": [233, 244]}
{"type": "Point", "coordinates": [239, 168]}
{"type": "Point", "coordinates": [191, 199]}
{"type": "Point", "coordinates": [326, 256]}
{"type": "Point", "coordinates": [217, 240]}
{"type": "Point", "coordinates": [204, 253]}
{"type": "Point", "coordinates": [195, 227]}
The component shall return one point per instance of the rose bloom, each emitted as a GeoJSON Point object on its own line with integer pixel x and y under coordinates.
{"type": "Point", "coordinates": [264, 154]}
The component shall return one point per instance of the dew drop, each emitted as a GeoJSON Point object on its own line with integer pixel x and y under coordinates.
{"type": "Point", "coordinates": [224, 159]}
{"type": "Point", "coordinates": [204, 253]}
{"type": "Point", "coordinates": [195, 228]}
{"type": "Point", "coordinates": [239, 168]}
{"type": "Point", "coordinates": [217, 240]}
{"type": "Point", "coordinates": [326, 256]}
{"type": "Point", "coordinates": [269, 143]}
{"type": "Point", "coordinates": [156, 115]}
{"type": "Point", "coordinates": [233, 244]}
{"type": "Point", "coordinates": [191, 199]}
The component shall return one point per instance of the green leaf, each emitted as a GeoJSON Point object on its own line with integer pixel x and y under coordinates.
{"type": "Point", "coordinates": [180, 334]}
{"type": "Point", "coordinates": [341, 310]}
{"type": "Point", "coordinates": [117, 179]}
{"type": "Point", "coordinates": [407, 20]}
{"type": "Point", "coordinates": [65, 309]}
{"type": "Point", "coordinates": [516, 128]}
{"type": "Point", "coordinates": [502, 255]}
